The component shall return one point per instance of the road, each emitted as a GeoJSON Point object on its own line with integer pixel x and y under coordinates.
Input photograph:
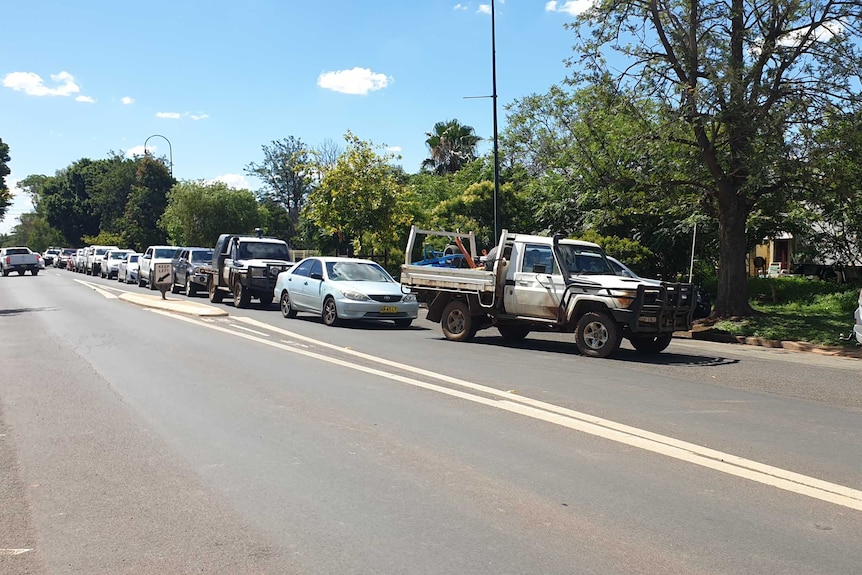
{"type": "Point", "coordinates": [134, 440]}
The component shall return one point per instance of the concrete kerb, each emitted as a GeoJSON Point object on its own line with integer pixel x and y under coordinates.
{"type": "Point", "coordinates": [183, 306]}
{"type": "Point", "coordinates": [800, 346]}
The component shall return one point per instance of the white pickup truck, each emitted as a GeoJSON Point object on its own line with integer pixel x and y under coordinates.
{"type": "Point", "coordinates": [536, 283]}
{"type": "Point", "coordinates": [18, 259]}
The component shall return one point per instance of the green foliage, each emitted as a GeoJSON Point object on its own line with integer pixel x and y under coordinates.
{"type": "Point", "coordinates": [197, 212]}
{"type": "Point", "coordinates": [284, 172]}
{"type": "Point", "coordinates": [451, 145]}
{"type": "Point", "coordinates": [360, 201]}
{"type": "Point", "coordinates": [797, 309]}
{"type": "Point", "coordinates": [639, 258]}
{"type": "Point", "coordinates": [106, 239]}
{"type": "Point", "coordinates": [36, 233]}
{"type": "Point", "coordinates": [5, 192]}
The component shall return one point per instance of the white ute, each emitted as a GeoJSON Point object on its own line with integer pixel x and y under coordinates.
{"type": "Point", "coordinates": [537, 283]}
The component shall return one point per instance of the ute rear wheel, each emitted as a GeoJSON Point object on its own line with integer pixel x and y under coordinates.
{"type": "Point", "coordinates": [597, 335]}
{"type": "Point", "coordinates": [457, 323]}
{"type": "Point", "coordinates": [651, 343]}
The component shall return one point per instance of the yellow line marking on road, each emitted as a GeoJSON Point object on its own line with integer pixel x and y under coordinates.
{"type": "Point", "coordinates": [583, 422]}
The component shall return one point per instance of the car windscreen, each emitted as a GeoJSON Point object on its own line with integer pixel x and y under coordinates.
{"type": "Point", "coordinates": [100, 251]}
{"type": "Point", "coordinates": [202, 257]}
{"type": "Point", "coordinates": [166, 253]}
{"type": "Point", "coordinates": [584, 260]}
{"type": "Point", "coordinates": [356, 272]}
{"type": "Point", "coordinates": [118, 255]}
{"type": "Point", "coordinates": [264, 251]}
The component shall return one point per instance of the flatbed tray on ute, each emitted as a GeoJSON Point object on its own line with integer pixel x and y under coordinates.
{"type": "Point", "coordinates": [448, 279]}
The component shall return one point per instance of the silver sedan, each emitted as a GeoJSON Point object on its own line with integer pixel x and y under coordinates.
{"type": "Point", "coordinates": [338, 288]}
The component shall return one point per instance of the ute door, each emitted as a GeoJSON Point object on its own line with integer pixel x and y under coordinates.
{"type": "Point", "coordinates": [537, 283]}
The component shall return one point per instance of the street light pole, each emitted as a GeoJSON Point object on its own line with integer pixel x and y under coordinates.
{"type": "Point", "coordinates": [496, 149]}
{"type": "Point", "coordinates": [170, 150]}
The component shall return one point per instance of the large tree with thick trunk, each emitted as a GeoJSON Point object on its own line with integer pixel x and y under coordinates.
{"type": "Point", "coordinates": [745, 79]}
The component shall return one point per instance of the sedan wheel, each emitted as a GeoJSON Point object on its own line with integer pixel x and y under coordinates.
{"type": "Point", "coordinates": [190, 289]}
{"type": "Point", "coordinates": [330, 312]}
{"type": "Point", "coordinates": [284, 303]}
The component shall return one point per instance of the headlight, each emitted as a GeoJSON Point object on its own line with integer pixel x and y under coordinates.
{"type": "Point", "coordinates": [624, 297]}
{"type": "Point", "coordinates": [258, 272]}
{"type": "Point", "coordinates": [409, 298]}
{"type": "Point", "coordinates": [354, 295]}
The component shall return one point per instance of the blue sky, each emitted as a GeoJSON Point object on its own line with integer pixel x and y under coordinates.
{"type": "Point", "coordinates": [220, 79]}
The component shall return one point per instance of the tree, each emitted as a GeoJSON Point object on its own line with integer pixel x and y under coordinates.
{"type": "Point", "coordinates": [5, 192]}
{"type": "Point", "coordinates": [359, 200]}
{"type": "Point", "coordinates": [197, 212]}
{"type": "Point", "coordinates": [146, 204]}
{"type": "Point", "coordinates": [451, 145]}
{"type": "Point", "coordinates": [284, 172]}
{"type": "Point", "coordinates": [742, 80]}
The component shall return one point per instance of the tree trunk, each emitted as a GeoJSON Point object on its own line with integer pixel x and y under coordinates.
{"type": "Point", "coordinates": [732, 297]}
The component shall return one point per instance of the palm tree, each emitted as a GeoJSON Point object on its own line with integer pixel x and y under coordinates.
{"type": "Point", "coordinates": [451, 145]}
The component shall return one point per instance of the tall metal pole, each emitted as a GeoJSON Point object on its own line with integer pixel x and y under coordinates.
{"type": "Point", "coordinates": [170, 150]}
{"type": "Point", "coordinates": [496, 149]}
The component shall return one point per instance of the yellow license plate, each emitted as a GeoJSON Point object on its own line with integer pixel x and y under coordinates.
{"type": "Point", "coordinates": [388, 309]}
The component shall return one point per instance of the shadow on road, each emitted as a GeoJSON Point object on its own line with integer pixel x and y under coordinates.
{"type": "Point", "coordinates": [19, 311]}
{"type": "Point", "coordinates": [623, 354]}
{"type": "Point", "coordinates": [363, 324]}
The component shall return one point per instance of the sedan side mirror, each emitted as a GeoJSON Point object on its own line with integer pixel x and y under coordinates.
{"type": "Point", "coordinates": [316, 276]}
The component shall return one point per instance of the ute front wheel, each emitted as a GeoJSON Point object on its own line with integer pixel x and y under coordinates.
{"type": "Point", "coordinates": [214, 293]}
{"type": "Point", "coordinates": [241, 296]}
{"type": "Point", "coordinates": [651, 343]}
{"type": "Point", "coordinates": [457, 323]}
{"type": "Point", "coordinates": [597, 335]}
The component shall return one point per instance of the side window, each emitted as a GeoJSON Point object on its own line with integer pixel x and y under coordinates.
{"type": "Point", "coordinates": [539, 255]}
{"type": "Point", "coordinates": [303, 269]}
{"type": "Point", "coordinates": [316, 268]}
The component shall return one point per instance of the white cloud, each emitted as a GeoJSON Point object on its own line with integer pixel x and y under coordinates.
{"type": "Point", "coordinates": [198, 116]}
{"type": "Point", "coordinates": [356, 81]}
{"type": "Point", "coordinates": [139, 151]}
{"type": "Point", "coordinates": [127, 100]}
{"type": "Point", "coordinates": [459, 7]}
{"type": "Point", "coordinates": [33, 85]}
{"type": "Point", "coordinates": [572, 7]}
{"type": "Point", "coordinates": [484, 9]}
{"type": "Point", "coordinates": [86, 99]}
{"type": "Point", "coordinates": [823, 33]}
{"type": "Point", "coordinates": [237, 181]}
{"type": "Point", "coordinates": [394, 149]}
{"type": "Point", "coordinates": [168, 115]}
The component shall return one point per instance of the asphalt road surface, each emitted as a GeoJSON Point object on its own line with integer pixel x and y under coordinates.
{"type": "Point", "coordinates": [137, 440]}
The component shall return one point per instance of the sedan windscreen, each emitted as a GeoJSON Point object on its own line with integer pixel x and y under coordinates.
{"type": "Point", "coordinates": [356, 272]}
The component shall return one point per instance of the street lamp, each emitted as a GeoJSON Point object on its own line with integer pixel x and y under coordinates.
{"type": "Point", "coordinates": [170, 150]}
{"type": "Point", "coordinates": [493, 97]}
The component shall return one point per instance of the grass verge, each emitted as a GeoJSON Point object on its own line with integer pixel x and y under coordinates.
{"type": "Point", "coordinates": [797, 309]}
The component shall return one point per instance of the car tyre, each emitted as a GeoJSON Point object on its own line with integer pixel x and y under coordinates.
{"type": "Point", "coordinates": [651, 343]}
{"type": "Point", "coordinates": [403, 323]}
{"type": "Point", "coordinates": [174, 287]}
{"type": "Point", "coordinates": [189, 288]}
{"type": "Point", "coordinates": [151, 284]}
{"type": "Point", "coordinates": [330, 312]}
{"type": "Point", "coordinates": [285, 306]}
{"type": "Point", "coordinates": [457, 323]}
{"type": "Point", "coordinates": [34, 272]}
{"type": "Point", "coordinates": [266, 301]}
{"type": "Point", "coordinates": [215, 294]}
{"type": "Point", "coordinates": [597, 335]}
{"type": "Point", "coordinates": [513, 332]}
{"type": "Point", "coordinates": [241, 296]}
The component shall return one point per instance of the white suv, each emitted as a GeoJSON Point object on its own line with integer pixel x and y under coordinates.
{"type": "Point", "coordinates": [147, 263]}
{"type": "Point", "coordinates": [96, 259]}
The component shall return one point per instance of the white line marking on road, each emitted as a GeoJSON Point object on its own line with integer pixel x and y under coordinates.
{"type": "Point", "coordinates": [98, 289]}
{"type": "Point", "coordinates": [7, 552]}
{"type": "Point", "coordinates": [248, 329]}
{"type": "Point", "coordinates": [583, 422]}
